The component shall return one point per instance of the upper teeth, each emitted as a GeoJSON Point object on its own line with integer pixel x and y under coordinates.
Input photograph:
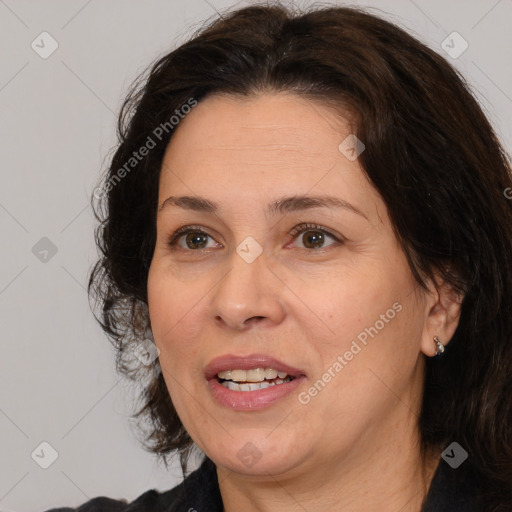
{"type": "Point", "coordinates": [254, 375]}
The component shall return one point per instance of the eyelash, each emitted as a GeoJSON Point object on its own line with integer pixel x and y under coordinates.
{"type": "Point", "coordinates": [304, 227]}
{"type": "Point", "coordinates": [295, 232]}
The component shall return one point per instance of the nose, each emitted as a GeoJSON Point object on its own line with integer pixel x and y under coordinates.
{"type": "Point", "coordinates": [248, 294]}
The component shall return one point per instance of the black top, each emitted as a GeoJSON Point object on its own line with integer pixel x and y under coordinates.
{"type": "Point", "coordinates": [451, 490]}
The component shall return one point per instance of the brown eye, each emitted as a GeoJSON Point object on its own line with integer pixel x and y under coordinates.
{"type": "Point", "coordinates": [196, 240]}
{"type": "Point", "coordinates": [189, 238]}
{"type": "Point", "coordinates": [314, 237]}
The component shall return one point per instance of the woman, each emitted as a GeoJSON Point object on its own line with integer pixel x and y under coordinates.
{"type": "Point", "coordinates": [306, 246]}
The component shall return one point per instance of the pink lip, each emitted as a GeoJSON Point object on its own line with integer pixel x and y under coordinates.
{"type": "Point", "coordinates": [232, 362]}
{"type": "Point", "coordinates": [250, 400]}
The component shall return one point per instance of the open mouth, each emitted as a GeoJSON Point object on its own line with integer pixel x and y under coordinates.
{"type": "Point", "coordinates": [252, 380]}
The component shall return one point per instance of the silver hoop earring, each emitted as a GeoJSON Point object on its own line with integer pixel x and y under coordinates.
{"type": "Point", "coordinates": [439, 346]}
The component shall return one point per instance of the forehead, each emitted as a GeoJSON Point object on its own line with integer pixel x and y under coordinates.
{"type": "Point", "coordinates": [253, 146]}
{"type": "Point", "coordinates": [269, 127]}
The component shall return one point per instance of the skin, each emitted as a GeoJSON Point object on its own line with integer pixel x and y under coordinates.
{"type": "Point", "coordinates": [353, 446]}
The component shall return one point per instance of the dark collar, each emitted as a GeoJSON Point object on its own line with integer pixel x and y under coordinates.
{"type": "Point", "coordinates": [454, 490]}
{"type": "Point", "coordinates": [199, 492]}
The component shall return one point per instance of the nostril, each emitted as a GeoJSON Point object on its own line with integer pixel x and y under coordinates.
{"type": "Point", "coordinates": [254, 319]}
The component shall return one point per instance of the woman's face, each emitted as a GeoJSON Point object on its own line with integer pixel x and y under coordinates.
{"type": "Point", "coordinates": [270, 275]}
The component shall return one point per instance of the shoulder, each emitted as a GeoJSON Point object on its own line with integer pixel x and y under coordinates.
{"type": "Point", "coordinates": [198, 492]}
{"type": "Point", "coordinates": [150, 501]}
{"type": "Point", "coordinates": [99, 504]}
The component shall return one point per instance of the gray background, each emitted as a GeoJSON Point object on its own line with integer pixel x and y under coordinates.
{"type": "Point", "coordinates": [58, 382]}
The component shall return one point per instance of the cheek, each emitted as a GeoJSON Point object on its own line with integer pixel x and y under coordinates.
{"type": "Point", "coordinates": [374, 349]}
{"type": "Point", "coordinates": [173, 309]}
{"type": "Point", "coordinates": [175, 329]}
{"type": "Point", "coordinates": [347, 300]}
{"type": "Point", "coordinates": [368, 306]}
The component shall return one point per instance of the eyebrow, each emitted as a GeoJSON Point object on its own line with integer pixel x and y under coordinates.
{"type": "Point", "coordinates": [280, 206]}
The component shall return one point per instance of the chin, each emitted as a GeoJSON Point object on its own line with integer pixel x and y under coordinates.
{"type": "Point", "coordinates": [256, 453]}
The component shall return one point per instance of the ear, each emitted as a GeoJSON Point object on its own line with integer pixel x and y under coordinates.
{"type": "Point", "coordinates": [442, 313]}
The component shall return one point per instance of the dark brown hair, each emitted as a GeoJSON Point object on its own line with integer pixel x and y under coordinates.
{"type": "Point", "coordinates": [430, 153]}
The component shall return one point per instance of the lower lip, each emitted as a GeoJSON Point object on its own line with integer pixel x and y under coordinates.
{"type": "Point", "coordinates": [252, 400]}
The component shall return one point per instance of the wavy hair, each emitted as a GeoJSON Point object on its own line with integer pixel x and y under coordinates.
{"type": "Point", "coordinates": [430, 152]}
